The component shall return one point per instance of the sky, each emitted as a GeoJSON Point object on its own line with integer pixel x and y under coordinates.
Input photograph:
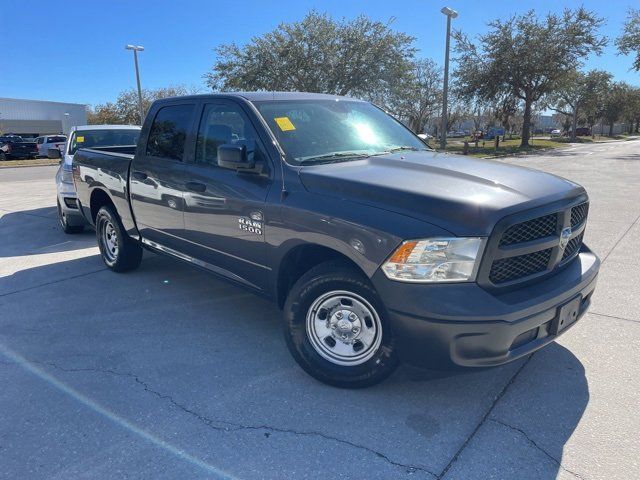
{"type": "Point", "coordinates": [73, 51]}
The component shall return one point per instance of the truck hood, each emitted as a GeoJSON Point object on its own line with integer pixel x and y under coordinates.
{"type": "Point", "coordinates": [463, 195]}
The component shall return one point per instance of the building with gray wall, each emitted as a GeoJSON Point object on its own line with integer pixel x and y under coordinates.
{"type": "Point", "coordinates": [36, 117]}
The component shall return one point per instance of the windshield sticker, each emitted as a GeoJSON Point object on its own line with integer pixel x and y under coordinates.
{"type": "Point", "coordinates": [80, 139]}
{"type": "Point", "coordinates": [284, 123]}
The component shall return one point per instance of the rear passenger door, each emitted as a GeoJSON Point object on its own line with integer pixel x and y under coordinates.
{"type": "Point", "coordinates": [157, 174]}
{"type": "Point", "coordinates": [224, 208]}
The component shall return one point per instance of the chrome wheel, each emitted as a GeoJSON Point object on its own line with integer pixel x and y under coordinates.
{"type": "Point", "coordinates": [109, 240]}
{"type": "Point", "coordinates": [344, 328]}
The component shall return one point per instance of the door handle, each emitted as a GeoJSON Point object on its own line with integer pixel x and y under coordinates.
{"type": "Point", "coordinates": [196, 187]}
{"type": "Point", "coordinates": [138, 175]}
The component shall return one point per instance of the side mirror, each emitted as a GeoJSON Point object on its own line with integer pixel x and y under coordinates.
{"type": "Point", "coordinates": [54, 154]}
{"type": "Point", "coordinates": [234, 157]}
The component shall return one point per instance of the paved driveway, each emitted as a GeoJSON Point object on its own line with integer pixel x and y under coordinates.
{"type": "Point", "coordinates": [167, 372]}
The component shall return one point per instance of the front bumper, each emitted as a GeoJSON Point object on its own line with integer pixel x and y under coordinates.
{"type": "Point", "coordinates": [68, 201]}
{"type": "Point", "coordinates": [465, 325]}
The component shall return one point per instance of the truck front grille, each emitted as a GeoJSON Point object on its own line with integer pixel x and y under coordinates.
{"type": "Point", "coordinates": [512, 268]}
{"type": "Point", "coordinates": [579, 214]}
{"type": "Point", "coordinates": [572, 247]}
{"type": "Point", "coordinates": [522, 249]}
{"type": "Point", "coordinates": [530, 230]}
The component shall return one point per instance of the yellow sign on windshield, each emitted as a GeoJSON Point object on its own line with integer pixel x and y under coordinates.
{"type": "Point", "coordinates": [284, 123]}
{"type": "Point", "coordinates": [80, 139]}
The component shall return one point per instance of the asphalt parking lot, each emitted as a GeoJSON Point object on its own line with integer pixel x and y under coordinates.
{"type": "Point", "coordinates": [167, 372]}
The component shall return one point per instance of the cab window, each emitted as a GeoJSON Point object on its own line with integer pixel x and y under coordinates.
{"type": "Point", "coordinates": [226, 124]}
{"type": "Point", "coordinates": [168, 132]}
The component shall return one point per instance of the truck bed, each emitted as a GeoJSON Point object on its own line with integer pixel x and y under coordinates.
{"type": "Point", "coordinates": [109, 170]}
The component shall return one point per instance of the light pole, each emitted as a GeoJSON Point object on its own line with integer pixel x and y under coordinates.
{"type": "Point", "coordinates": [65, 123]}
{"type": "Point", "coordinates": [136, 49]}
{"type": "Point", "coordinates": [450, 13]}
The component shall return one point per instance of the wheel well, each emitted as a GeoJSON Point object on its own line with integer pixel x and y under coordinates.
{"type": "Point", "coordinates": [300, 260]}
{"type": "Point", "coordinates": [99, 198]}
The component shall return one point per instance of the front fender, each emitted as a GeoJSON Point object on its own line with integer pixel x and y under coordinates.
{"type": "Point", "coordinates": [366, 235]}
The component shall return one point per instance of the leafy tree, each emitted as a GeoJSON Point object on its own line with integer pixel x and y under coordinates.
{"type": "Point", "coordinates": [631, 111]}
{"type": "Point", "coordinates": [504, 109]}
{"type": "Point", "coordinates": [597, 84]}
{"type": "Point", "coordinates": [567, 100]}
{"type": "Point", "coordinates": [629, 41]}
{"type": "Point", "coordinates": [104, 114]}
{"type": "Point", "coordinates": [526, 57]}
{"type": "Point", "coordinates": [614, 103]}
{"type": "Point", "coordinates": [420, 96]}
{"type": "Point", "coordinates": [125, 109]}
{"type": "Point", "coordinates": [362, 58]}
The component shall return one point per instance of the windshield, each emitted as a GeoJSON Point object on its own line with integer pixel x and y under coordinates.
{"type": "Point", "coordinates": [318, 131]}
{"type": "Point", "coordinates": [103, 138]}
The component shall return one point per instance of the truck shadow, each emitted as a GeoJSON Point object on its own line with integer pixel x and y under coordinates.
{"type": "Point", "coordinates": [33, 232]}
{"type": "Point", "coordinates": [218, 353]}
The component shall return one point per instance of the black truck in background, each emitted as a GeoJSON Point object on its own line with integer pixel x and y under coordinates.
{"type": "Point", "coordinates": [15, 147]}
{"type": "Point", "coordinates": [378, 249]}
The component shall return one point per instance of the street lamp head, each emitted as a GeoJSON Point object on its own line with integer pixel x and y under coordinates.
{"type": "Point", "coordinates": [138, 48]}
{"type": "Point", "coordinates": [449, 12]}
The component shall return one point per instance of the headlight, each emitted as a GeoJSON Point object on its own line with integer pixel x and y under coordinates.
{"type": "Point", "coordinates": [435, 260]}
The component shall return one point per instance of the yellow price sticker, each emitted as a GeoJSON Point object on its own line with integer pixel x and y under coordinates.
{"type": "Point", "coordinates": [284, 123]}
{"type": "Point", "coordinates": [80, 139]}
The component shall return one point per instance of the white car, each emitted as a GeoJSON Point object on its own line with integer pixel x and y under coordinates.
{"type": "Point", "coordinates": [47, 142]}
{"type": "Point", "coordinates": [555, 132]}
{"type": "Point", "coordinates": [109, 138]}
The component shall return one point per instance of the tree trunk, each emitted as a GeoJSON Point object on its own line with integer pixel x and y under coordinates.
{"type": "Point", "coordinates": [574, 123]}
{"type": "Point", "coordinates": [611, 129]}
{"type": "Point", "coordinates": [526, 124]}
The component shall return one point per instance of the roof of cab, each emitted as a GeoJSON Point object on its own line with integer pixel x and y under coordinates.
{"type": "Point", "coordinates": [263, 96]}
{"type": "Point", "coordinates": [105, 127]}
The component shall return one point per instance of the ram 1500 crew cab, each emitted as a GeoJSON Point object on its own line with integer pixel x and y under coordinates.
{"type": "Point", "coordinates": [378, 249]}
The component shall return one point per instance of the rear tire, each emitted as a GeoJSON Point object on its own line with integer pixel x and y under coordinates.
{"type": "Point", "coordinates": [119, 251]}
{"type": "Point", "coordinates": [64, 223]}
{"type": "Point", "coordinates": [336, 328]}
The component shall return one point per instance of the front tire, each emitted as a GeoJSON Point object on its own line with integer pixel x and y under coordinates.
{"type": "Point", "coordinates": [64, 222]}
{"type": "Point", "coordinates": [336, 328]}
{"type": "Point", "coordinates": [119, 251]}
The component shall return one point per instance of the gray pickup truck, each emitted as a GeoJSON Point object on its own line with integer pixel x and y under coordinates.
{"type": "Point", "coordinates": [378, 249]}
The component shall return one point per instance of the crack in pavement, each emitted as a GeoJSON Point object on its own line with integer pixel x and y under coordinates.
{"type": "Point", "coordinates": [64, 279]}
{"type": "Point", "coordinates": [635, 222]}
{"type": "Point", "coordinates": [80, 275]}
{"type": "Point", "coordinates": [226, 426]}
{"type": "Point", "coordinates": [538, 447]}
{"type": "Point", "coordinates": [498, 397]}
{"type": "Point", "coordinates": [613, 317]}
